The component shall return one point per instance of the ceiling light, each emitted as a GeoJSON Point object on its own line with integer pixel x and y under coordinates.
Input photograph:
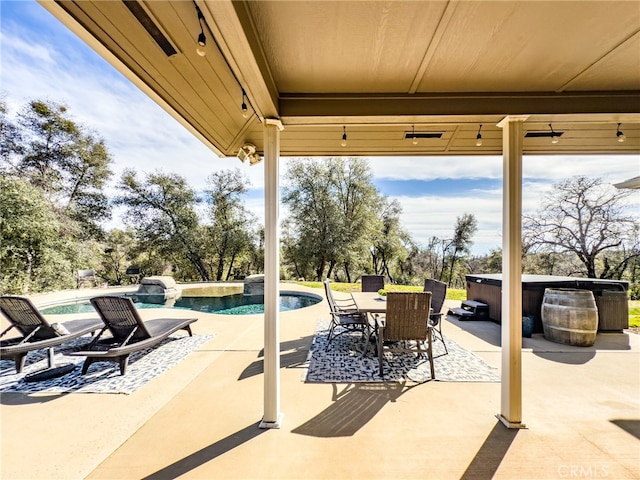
{"type": "Point", "coordinates": [621, 136]}
{"type": "Point", "coordinates": [554, 137]}
{"type": "Point", "coordinates": [245, 110]}
{"type": "Point", "coordinates": [415, 139]}
{"type": "Point", "coordinates": [479, 137]}
{"type": "Point", "coordinates": [344, 136]}
{"type": "Point", "coordinates": [202, 40]}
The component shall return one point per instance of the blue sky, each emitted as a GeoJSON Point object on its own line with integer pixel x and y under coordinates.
{"type": "Point", "coordinates": [42, 59]}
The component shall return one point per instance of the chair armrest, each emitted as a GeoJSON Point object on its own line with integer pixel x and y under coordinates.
{"type": "Point", "coordinates": [350, 302]}
{"type": "Point", "coordinates": [380, 321]}
{"type": "Point", "coordinates": [434, 318]}
{"type": "Point", "coordinates": [6, 330]}
{"type": "Point", "coordinates": [350, 312]}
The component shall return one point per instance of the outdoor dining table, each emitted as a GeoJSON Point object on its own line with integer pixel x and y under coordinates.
{"type": "Point", "coordinates": [371, 304]}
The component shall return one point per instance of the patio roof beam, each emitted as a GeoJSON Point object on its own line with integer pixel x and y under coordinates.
{"type": "Point", "coordinates": [232, 24]}
{"type": "Point", "coordinates": [358, 105]}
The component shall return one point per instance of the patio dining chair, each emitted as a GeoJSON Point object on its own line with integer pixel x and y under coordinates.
{"type": "Point", "coordinates": [372, 283]}
{"type": "Point", "coordinates": [345, 317]}
{"type": "Point", "coordinates": [406, 321]}
{"type": "Point", "coordinates": [438, 294]}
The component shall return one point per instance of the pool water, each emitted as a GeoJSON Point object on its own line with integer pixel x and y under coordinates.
{"type": "Point", "coordinates": [238, 304]}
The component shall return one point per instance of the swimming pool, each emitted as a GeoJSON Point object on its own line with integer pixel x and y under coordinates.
{"type": "Point", "coordinates": [238, 304]}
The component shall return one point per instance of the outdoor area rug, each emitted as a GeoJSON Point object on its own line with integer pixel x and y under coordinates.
{"type": "Point", "coordinates": [105, 377]}
{"type": "Point", "coordinates": [343, 362]}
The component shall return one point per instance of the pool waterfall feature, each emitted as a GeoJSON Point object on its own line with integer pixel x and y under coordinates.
{"type": "Point", "coordinates": [164, 289]}
{"type": "Point", "coordinates": [254, 285]}
{"type": "Point", "coordinates": [159, 290]}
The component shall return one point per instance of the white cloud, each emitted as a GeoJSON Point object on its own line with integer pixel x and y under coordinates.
{"type": "Point", "coordinates": [429, 216]}
{"type": "Point", "coordinates": [615, 168]}
{"type": "Point", "coordinates": [430, 168]}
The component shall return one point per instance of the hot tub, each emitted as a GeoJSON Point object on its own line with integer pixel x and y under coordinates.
{"type": "Point", "coordinates": [610, 295]}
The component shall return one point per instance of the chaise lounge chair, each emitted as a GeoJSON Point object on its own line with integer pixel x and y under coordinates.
{"type": "Point", "coordinates": [36, 334]}
{"type": "Point", "coordinates": [129, 333]}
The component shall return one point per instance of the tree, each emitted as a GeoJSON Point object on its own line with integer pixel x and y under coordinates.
{"type": "Point", "coordinates": [359, 203]}
{"type": "Point", "coordinates": [33, 254]}
{"type": "Point", "coordinates": [231, 233]}
{"type": "Point", "coordinates": [162, 211]}
{"type": "Point", "coordinates": [116, 256]}
{"type": "Point", "coordinates": [390, 239]}
{"type": "Point", "coordinates": [68, 164]}
{"type": "Point", "coordinates": [333, 205]}
{"type": "Point", "coordinates": [586, 217]}
{"type": "Point", "coordinates": [10, 140]}
{"type": "Point", "coordinates": [313, 225]}
{"type": "Point", "coordinates": [463, 232]}
{"type": "Point", "coordinates": [488, 263]}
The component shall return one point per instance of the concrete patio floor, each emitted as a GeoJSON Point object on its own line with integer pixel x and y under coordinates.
{"type": "Point", "coordinates": [199, 419]}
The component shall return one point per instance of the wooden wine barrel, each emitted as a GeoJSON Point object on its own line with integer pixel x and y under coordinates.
{"type": "Point", "coordinates": [569, 316]}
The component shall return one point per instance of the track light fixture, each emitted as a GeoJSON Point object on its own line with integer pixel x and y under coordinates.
{"type": "Point", "coordinates": [479, 137]}
{"type": "Point", "coordinates": [344, 136]}
{"type": "Point", "coordinates": [414, 139]}
{"type": "Point", "coordinates": [245, 110]}
{"type": "Point", "coordinates": [202, 39]}
{"type": "Point", "coordinates": [248, 151]}
{"type": "Point", "coordinates": [621, 136]}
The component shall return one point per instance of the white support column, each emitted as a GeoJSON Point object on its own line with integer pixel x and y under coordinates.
{"type": "Point", "coordinates": [272, 416]}
{"type": "Point", "coordinates": [511, 386]}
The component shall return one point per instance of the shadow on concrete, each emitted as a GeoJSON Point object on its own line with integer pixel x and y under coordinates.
{"type": "Point", "coordinates": [570, 358]}
{"type": "Point", "coordinates": [298, 344]}
{"type": "Point", "coordinates": [352, 407]}
{"type": "Point", "coordinates": [629, 426]}
{"type": "Point", "coordinates": [570, 354]}
{"type": "Point", "coordinates": [15, 398]}
{"type": "Point", "coordinates": [490, 332]}
{"type": "Point", "coordinates": [486, 462]}
{"type": "Point", "coordinates": [207, 454]}
{"type": "Point", "coordinates": [289, 359]}
{"type": "Point", "coordinates": [483, 329]}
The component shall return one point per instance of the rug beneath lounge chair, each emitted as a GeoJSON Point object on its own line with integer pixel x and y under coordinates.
{"type": "Point", "coordinates": [144, 366]}
{"type": "Point", "coordinates": [343, 362]}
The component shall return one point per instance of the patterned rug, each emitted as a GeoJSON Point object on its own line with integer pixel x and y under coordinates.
{"type": "Point", "coordinates": [144, 366]}
{"type": "Point", "coordinates": [343, 362]}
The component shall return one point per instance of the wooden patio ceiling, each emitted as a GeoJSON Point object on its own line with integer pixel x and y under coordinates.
{"type": "Point", "coordinates": [380, 70]}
